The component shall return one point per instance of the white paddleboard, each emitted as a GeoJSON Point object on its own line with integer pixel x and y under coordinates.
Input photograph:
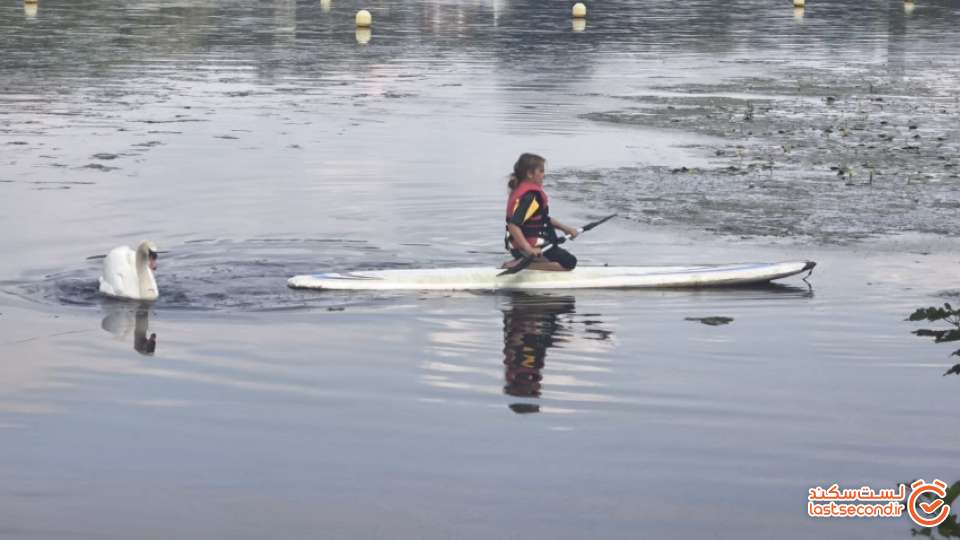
{"type": "Point", "coordinates": [589, 277]}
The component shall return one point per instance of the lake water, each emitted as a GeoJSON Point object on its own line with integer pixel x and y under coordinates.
{"type": "Point", "coordinates": [258, 140]}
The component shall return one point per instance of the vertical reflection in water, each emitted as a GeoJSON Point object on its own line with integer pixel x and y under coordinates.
{"type": "Point", "coordinates": [364, 35]}
{"type": "Point", "coordinates": [141, 343]}
{"type": "Point", "coordinates": [122, 318]}
{"type": "Point", "coordinates": [897, 42]}
{"type": "Point", "coordinates": [531, 325]}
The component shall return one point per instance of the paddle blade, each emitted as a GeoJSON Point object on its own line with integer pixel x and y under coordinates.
{"type": "Point", "coordinates": [589, 226]}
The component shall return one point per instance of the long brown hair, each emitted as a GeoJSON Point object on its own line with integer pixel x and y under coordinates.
{"type": "Point", "coordinates": [525, 164]}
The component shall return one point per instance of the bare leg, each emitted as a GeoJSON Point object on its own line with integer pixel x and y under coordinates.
{"type": "Point", "coordinates": [542, 264]}
{"type": "Point", "coordinates": [538, 264]}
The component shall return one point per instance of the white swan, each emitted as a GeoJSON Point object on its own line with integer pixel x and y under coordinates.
{"type": "Point", "coordinates": [129, 274]}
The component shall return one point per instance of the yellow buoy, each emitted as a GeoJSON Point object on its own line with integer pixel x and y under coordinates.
{"type": "Point", "coordinates": [30, 9]}
{"type": "Point", "coordinates": [364, 35]}
{"type": "Point", "coordinates": [908, 7]}
{"type": "Point", "coordinates": [579, 24]}
{"type": "Point", "coordinates": [579, 10]}
{"type": "Point", "coordinates": [364, 19]}
{"type": "Point", "coordinates": [325, 6]}
{"type": "Point", "coordinates": [799, 3]}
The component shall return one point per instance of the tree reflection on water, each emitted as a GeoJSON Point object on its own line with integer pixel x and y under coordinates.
{"type": "Point", "coordinates": [946, 314]}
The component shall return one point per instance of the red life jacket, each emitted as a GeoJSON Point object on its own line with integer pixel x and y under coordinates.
{"type": "Point", "coordinates": [537, 225]}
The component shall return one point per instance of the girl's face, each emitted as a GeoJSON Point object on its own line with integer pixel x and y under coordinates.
{"type": "Point", "coordinates": [536, 175]}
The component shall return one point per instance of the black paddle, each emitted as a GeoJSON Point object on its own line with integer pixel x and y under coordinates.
{"type": "Point", "coordinates": [525, 262]}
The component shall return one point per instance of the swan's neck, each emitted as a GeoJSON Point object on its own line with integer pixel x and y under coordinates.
{"type": "Point", "coordinates": [148, 284]}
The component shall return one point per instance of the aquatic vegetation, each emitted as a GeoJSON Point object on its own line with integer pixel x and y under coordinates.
{"type": "Point", "coordinates": [831, 155]}
{"type": "Point", "coordinates": [945, 314]}
{"type": "Point", "coordinates": [710, 321]}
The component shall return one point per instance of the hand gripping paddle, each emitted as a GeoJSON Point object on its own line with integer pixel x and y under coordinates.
{"type": "Point", "coordinates": [525, 262]}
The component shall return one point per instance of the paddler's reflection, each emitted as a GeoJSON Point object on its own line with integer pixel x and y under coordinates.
{"type": "Point", "coordinates": [122, 318]}
{"type": "Point", "coordinates": [531, 325]}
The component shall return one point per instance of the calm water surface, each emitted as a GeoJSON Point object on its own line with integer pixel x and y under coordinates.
{"type": "Point", "coordinates": [256, 140]}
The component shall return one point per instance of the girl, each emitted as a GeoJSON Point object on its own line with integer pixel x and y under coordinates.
{"type": "Point", "coordinates": [528, 218]}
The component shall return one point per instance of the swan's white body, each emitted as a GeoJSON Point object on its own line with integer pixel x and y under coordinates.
{"type": "Point", "coordinates": [127, 273]}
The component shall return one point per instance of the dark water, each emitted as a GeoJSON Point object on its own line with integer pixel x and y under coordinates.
{"type": "Point", "coordinates": [257, 140]}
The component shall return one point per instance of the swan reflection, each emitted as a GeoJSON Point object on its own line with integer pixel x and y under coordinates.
{"type": "Point", "coordinates": [123, 319]}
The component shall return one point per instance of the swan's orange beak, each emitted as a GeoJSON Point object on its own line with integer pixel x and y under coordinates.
{"type": "Point", "coordinates": [153, 262]}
